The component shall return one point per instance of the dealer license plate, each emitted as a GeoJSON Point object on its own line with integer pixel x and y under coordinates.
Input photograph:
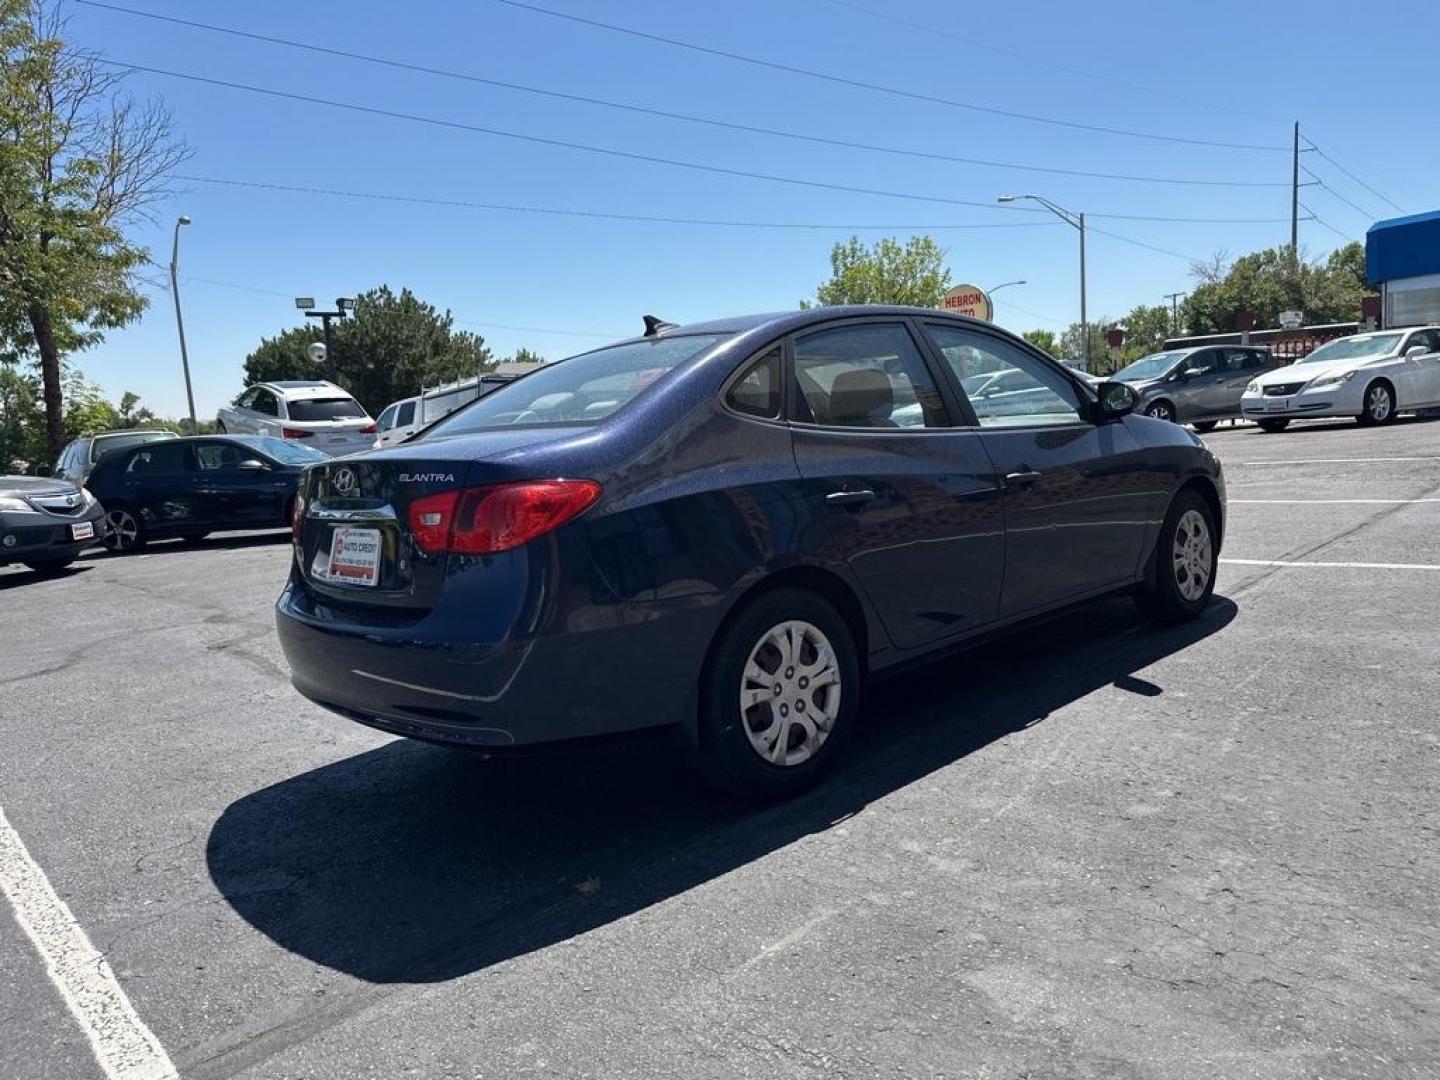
{"type": "Point", "coordinates": [82, 530]}
{"type": "Point", "coordinates": [354, 556]}
{"type": "Point", "coordinates": [1281, 405]}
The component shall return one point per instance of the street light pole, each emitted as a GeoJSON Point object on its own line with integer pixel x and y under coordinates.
{"type": "Point", "coordinates": [179, 320]}
{"type": "Point", "coordinates": [1075, 221]}
{"type": "Point", "coordinates": [343, 304]}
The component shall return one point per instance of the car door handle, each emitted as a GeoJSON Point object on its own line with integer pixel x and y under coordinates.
{"type": "Point", "coordinates": [1023, 479]}
{"type": "Point", "coordinates": [849, 498]}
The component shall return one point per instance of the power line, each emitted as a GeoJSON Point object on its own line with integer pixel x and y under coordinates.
{"type": "Point", "coordinates": [666, 114]}
{"type": "Point", "coordinates": [630, 155]}
{"type": "Point", "coordinates": [1321, 221]}
{"type": "Point", "coordinates": [1352, 176]}
{"type": "Point", "coordinates": [1353, 205]}
{"type": "Point", "coordinates": [1141, 243]}
{"type": "Point", "coordinates": [935, 31]}
{"type": "Point", "coordinates": [877, 87]}
{"type": "Point", "coordinates": [425, 200]}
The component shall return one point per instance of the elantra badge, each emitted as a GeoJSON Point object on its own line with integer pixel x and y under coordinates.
{"type": "Point", "coordinates": [427, 478]}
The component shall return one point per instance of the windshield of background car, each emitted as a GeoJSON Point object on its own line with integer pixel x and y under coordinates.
{"type": "Point", "coordinates": [287, 453]}
{"type": "Point", "coordinates": [1148, 367]}
{"type": "Point", "coordinates": [584, 389]}
{"type": "Point", "coordinates": [108, 445]}
{"type": "Point", "coordinates": [324, 408]}
{"type": "Point", "coordinates": [1353, 348]}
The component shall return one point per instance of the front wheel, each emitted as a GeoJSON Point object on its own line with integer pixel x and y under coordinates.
{"type": "Point", "coordinates": [1379, 405]}
{"type": "Point", "coordinates": [1182, 574]}
{"type": "Point", "coordinates": [1273, 425]}
{"type": "Point", "coordinates": [780, 695]}
{"type": "Point", "coordinates": [1161, 410]}
{"type": "Point", "coordinates": [124, 532]}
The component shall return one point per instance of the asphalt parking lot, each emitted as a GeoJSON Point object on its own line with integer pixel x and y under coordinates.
{"type": "Point", "coordinates": [1093, 849]}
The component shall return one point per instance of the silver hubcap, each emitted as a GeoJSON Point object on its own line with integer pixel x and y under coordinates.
{"type": "Point", "coordinates": [790, 693]}
{"type": "Point", "coordinates": [123, 532]}
{"type": "Point", "coordinates": [1379, 402]}
{"type": "Point", "coordinates": [1193, 555]}
{"type": "Point", "coordinates": [1160, 412]}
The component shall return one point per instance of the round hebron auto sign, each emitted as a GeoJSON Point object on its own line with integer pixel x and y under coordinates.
{"type": "Point", "coordinates": [968, 300]}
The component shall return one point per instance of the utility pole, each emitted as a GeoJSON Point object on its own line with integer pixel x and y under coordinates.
{"type": "Point", "coordinates": [1295, 197]}
{"type": "Point", "coordinates": [180, 322]}
{"type": "Point", "coordinates": [1174, 298]}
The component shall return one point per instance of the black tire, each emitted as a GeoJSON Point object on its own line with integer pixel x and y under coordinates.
{"type": "Point", "coordinates": [1378, 404]}
{"type": "Point", "coordinates": [728, 751]}
{"type": "Point", "coordinates": [49, 566]}
{"type": "Point", "coordinates": [1206, 426]}
{"type": "Point", "coordinates": [120, 538]}
{"type": "Point", "coordinates": [1273, 425]}
{"type": "Point", "coordinates": [1163, 596]}
{"type": "Point", "coordinates": [1161, 410]}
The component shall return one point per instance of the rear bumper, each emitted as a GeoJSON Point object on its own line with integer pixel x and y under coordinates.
{"type": "Point", "coordinates": [620, 669]}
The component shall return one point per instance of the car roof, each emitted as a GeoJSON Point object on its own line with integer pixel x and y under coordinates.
{"type": "Point", "coordinates": [786, 322]}
{"type": "Point", "coordinates": [297, 389]}
{"type": "Point", "coordinates": [132, 431]}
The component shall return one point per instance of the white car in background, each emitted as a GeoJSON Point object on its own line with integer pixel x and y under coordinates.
{"type": "Point", "coordinates": [319, 414]}
{"type": "Point", "coordinates": [1371, 377]}
{"type": "Point", "coordinates": [397, 422]}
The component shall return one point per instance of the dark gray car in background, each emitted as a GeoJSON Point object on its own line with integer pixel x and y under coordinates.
{"type": "Point", "coordinates": [80, 455]}
{"type": "Point", "coordinates": [1199, 386]}
{"type": "Point", "coordinates": [45, 522]}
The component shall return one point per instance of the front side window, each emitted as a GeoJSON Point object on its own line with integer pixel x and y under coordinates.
{"type": "Point", "coordinates": [867, 376]}
{"type": "Point", "coordinates": [217, 457]}
{"type": "Point", "coordinates": [1428, 339]}
{"type": "Point", "coordinates": [1203, 362]}
{"type": "Point", "coordinates": [584, 389]}
{"type": "Point", "coordinates": [757, 392]}
{"type": "Point", "coordinates": [264, 402]}
{"type": "Point", "coordinates": [387, 418]}
{"type": "Point", "coordinates": [1025, 389]}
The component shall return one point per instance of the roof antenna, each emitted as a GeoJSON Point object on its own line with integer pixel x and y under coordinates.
{"type": "Point", "coordinates": [654, 325]}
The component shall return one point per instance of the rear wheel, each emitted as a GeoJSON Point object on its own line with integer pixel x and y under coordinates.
{"type": "Point", "coordinates": [1273, 425]}
{"type": "Point", "coordinates": [1379, 407]}
{"type": "Point", "coordinates": [1182, 572]}
{"type": "Point", "coordinates": [1161, 410]}
{"type": "Point", "coordinates": [1205, 426]}
{"type": "Point", "coordinates": [124, 531]}
{"type": "Point", "coordinates": [780, 695]}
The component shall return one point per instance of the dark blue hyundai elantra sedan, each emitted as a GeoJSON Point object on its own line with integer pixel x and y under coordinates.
{"type": "Point", "coordinates": [727, 527]}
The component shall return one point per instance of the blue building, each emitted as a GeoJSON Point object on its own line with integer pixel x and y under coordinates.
{"type": "Point", "coordinates": [1402, 258]}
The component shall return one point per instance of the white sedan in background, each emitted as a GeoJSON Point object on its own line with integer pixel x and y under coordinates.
{"type": "Point", "coordinates": [318, 414]}
{"type": "Point", "coordinates": [1371, 377]}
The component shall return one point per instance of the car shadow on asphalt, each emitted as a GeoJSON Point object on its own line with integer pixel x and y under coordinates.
{"type": "Point", "coordinates": [411, 863]}
{"type": "Point", "coordinates": [215, 542]}
{"type": "Point", "coordinates": [15, 577]}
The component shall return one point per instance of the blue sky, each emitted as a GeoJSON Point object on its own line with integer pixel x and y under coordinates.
{"type": "Point", "coordinates": [1223, 71]}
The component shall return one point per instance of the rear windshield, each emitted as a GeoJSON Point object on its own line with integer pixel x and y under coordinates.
{"type": "Point", "coordinates": [110, 443]}
{"type": "Point", "coordinates": [325, 408]}
{"type": "Point", "coordinates": [584, 389]}
{"type": "Point", "coordinates": [287, 453]}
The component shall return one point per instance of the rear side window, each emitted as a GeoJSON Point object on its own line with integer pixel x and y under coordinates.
{"type": "Point", "coordinates": [164, 458]}
{"type": "Point", "coordinates": [406, 416]}
{"type": "Point", "coordinates": [866, 376]}
{"type": "Point", "coordinates": [338, 408]}
{"type": "Point", "coordinates": [217, 456]}
{"type": "Point", "coordinates": [757, 392]}
{"type": "Point", "coordinates": [264, 402]}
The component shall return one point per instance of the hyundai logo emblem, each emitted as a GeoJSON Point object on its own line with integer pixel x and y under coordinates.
{"type": "Point", "coordinates": [344, 481]}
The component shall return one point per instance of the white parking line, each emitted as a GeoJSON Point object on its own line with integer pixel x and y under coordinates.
{"type": "Point", "coordinates": [1333, 565]}
{"type": "Point", "coordinates": [1326, 502]}
{"type": "Point", "coordinates": [125, 1048]}
{"type": "Point", "coordinates": [1338, 460]}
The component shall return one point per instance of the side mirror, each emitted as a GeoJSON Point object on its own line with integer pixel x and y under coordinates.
{"type": "Point", "coordinates": [1415, 350]}
{"type": "Point", "coordinates": [1114, 400]}
{"type": "Point", "coordinates": [1193, 373]}
{"type": "Point", "coordinates": [252, 465]}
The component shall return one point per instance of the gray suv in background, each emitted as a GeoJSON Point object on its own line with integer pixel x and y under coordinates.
{"type": "Point", "coordinates": [1199, 386]}
{"type": "Point", "coordinates": [80, 455]}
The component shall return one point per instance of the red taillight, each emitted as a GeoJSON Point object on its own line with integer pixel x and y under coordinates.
{"type": "Point", "coordinates": [369, 429]}
{"type": "Point", "coordinates": [484, 520]}
{"type": "Point", "coordinates": [296, 433]}
{"type": "Point", "coordinates": [297, 516]}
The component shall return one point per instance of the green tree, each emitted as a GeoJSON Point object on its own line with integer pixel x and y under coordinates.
{"type": "Point", "coordinates": [80, 163]}
{"type": "Point", "coordinates": [391, 347]}
{"type": "Point", "coordinates": [1072, 346]}
{"type": "Point", "coordinates": [525, 356]}
{"type": "Point", "coordinates": [1268, 282]}
{"type": "Point", "coordinates": [1044, 340]}
{"type": "Point", "coordinates": [22, 418]}
{"type": "Point", "coordinates": [886, 273]}
{"type": "Point", "coordinates": [1146, 329]}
